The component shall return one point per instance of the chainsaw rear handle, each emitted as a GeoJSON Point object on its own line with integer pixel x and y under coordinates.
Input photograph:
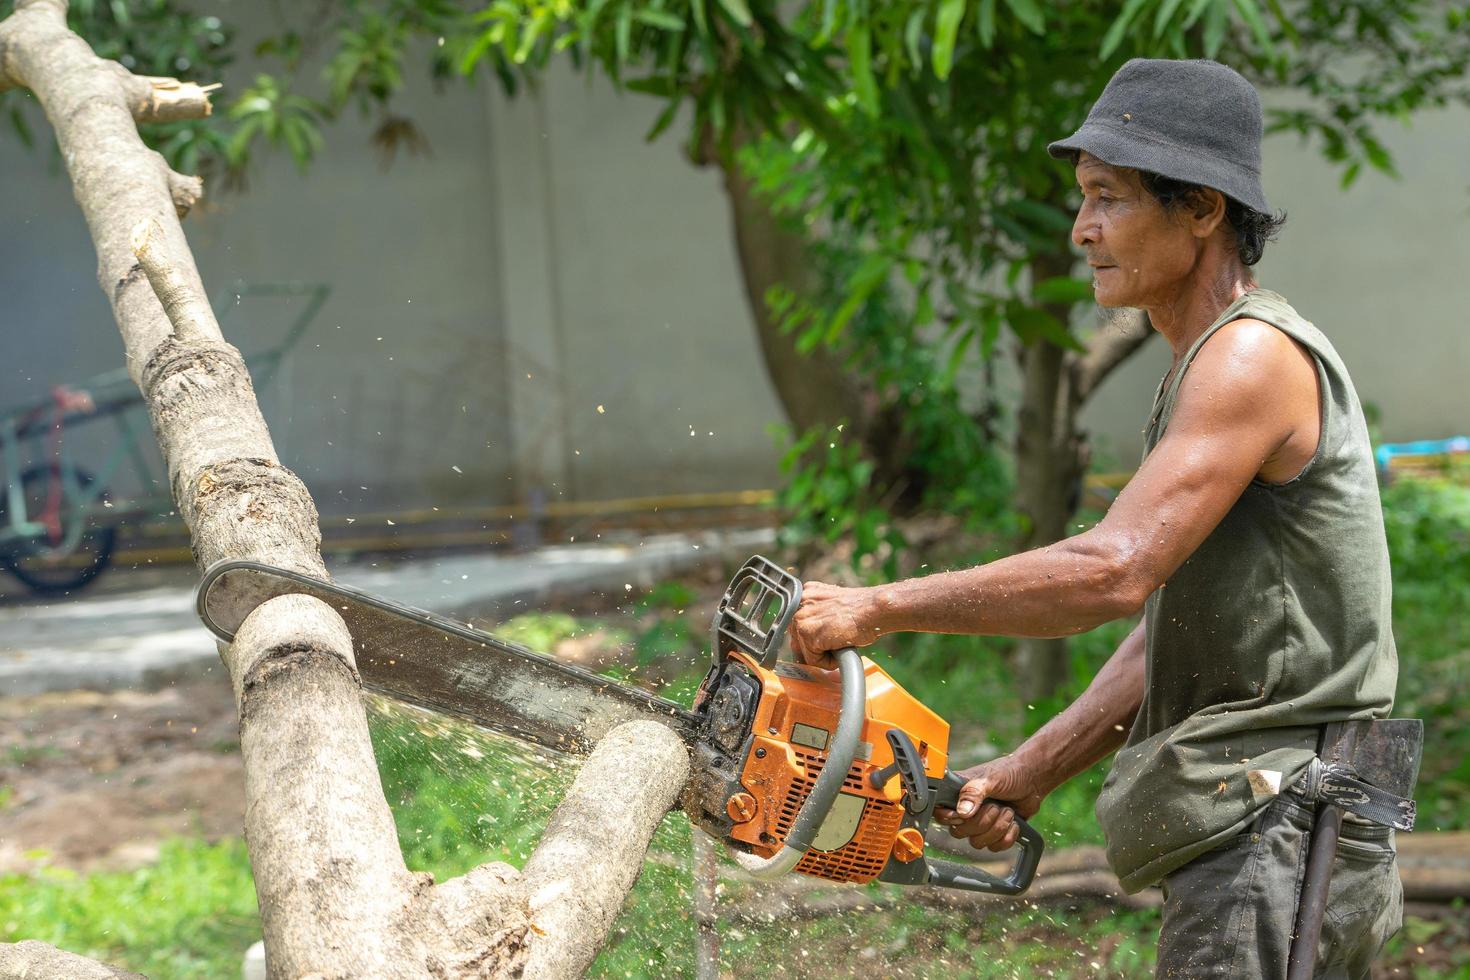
{"type": "Point", "coordinates": [950, 874]}
{"type": "Point", "coordinates": [840, 753]}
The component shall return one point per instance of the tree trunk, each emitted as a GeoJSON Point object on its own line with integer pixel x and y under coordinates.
{"type": "Point", "coordinates": [336, 899]}
{"type": "Point", "coordinates": [1052, 452]}
{"type": "Point", "coordinates": [1051, 456]}
{"type": "Point", "coordinates": [815, 388]}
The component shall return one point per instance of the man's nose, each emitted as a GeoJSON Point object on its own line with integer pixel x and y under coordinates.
{"type": "Point", "coordinates": [1084, 228]}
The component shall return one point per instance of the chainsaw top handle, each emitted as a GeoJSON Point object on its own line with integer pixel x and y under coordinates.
{"type": "Point", "coordinates": [755, 611]}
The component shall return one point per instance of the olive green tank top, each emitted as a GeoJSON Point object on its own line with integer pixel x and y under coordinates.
{"type": "Point", "coordinates": [1278, 623]}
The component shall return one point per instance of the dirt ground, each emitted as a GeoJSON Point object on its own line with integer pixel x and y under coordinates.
{"type": "Point", "coordinates": [94, 781]}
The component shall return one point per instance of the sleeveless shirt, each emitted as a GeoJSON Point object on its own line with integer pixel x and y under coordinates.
{"type": "Point", "coordinates": [1278, 623]}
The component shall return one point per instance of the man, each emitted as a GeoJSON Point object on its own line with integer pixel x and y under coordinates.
{"type": "Point", "coordinates": [1251, 536]}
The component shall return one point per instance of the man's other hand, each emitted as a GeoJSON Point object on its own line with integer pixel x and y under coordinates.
{"type": "Point", "coordinates": [988, 824]}
{"type": "Point", "coordinates": [831, 618]}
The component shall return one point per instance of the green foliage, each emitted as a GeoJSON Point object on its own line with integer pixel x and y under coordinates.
{"type": "Point", "coordinates": [941, 452]}
{"type": "Point", "coordinates": [1428, 525]}
{"type": "Point", "coordinates": [541, 631]}
{"type": "Point", "coordinates": [192, 914]}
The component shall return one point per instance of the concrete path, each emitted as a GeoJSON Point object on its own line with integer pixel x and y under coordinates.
{"type": "Point", "coordinates": [137, 627]}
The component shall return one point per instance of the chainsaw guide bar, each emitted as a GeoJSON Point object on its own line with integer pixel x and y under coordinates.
{"type": "Point", "coordinates": [433, 662]}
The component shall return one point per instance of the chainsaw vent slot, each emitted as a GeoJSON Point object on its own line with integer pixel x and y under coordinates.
{"type": "Point", "coordinates": [863, 857]}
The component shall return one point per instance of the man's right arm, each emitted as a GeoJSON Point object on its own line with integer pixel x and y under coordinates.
{"type": "Point", "coordinates": [1091, 727]}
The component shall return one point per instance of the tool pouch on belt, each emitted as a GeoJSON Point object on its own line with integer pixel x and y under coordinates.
{"type": "Point", "coordinates": [1369, 768]}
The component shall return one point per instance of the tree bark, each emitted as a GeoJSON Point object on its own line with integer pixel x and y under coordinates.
{"type": "Point", "coordinates": [30, 959]}
{"type": "Point", "coordinates": [336, 898]}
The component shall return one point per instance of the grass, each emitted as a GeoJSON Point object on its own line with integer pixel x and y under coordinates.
{"type": "Point", "coordinates": [461, 797]}
{"type": "Point", "coordinates": [190, 915]}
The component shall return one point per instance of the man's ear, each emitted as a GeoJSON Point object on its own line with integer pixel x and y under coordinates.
{"type": "Point", "coordinates": [1207, 212]}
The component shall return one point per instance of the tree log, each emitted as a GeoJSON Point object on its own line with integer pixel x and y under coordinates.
{"type": "Point", "coordinates": [30, 960]}
{"type": "Point", "coordinates": [578, 877]}
{"type": "Point", "coordinates": [336, 897]}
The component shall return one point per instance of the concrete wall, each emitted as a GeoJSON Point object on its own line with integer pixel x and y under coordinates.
{"type": "Point", "coordinates": [545, 261]}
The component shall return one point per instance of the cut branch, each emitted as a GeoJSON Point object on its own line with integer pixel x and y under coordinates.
{"type": "Point", "coordinates": [155, 99]}
{"type": "Point", "coordinates": [577, 879]}
{"type": "Point", "coordinates": [186, 190]}
{"type": "Point", "coordinates": [184, 302]}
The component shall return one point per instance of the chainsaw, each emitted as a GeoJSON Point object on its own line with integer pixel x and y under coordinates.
{"type": "Point", "coordinates": [830, 773]}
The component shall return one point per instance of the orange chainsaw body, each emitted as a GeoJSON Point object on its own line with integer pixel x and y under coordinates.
{"type": "Point", "coordinates": [793, 722]}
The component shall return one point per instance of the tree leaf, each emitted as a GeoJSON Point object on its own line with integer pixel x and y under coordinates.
{"type": "Point", "coordinates": [622, 37]}
{"type": "Point", "coordinates": [873, 270]}
{"type": "Point", "coordinates": [946, 30]}
{"type": "Point", "coordinates": [989, 332]}
{"type": "Point", "coordinates": [22, 128]}
{"type": "Point", "coordinates": [985, 18]}
{"type": "Point", "coordinates": [1048, 217]}
{"type": "Point", "coordinates": [664, 119]}
{"type": "Point", "coordinates": [1032, 324]}
{"type": "Point", "coordinates": [1028, 13]}
{"type": "Point", "coordinates": [1378, 156]}
{"type": "Point", "coordinates": [1164, 16]}
{"type": "Point", "coordinates": [957, 354]}
{"type": "Point", "coordinates": [701, 17]}
{"type": "Point", "coordinates": [1062, 289]}
{"type": "Point", "coordinates": [1114, 36]}
{"type": "Point", "coordinates": [1251, 14]}
{"type": "Point", "coordinates": [860, 62]}
{"type": "Point", "coordinates": [661, 19]}
{"type": "Point", "coordinates": [1287, 27]}
{"type": "Point", "coordinates": [1197, 8]}
{"type": "Point", "coordinates": [913, 33]}
{"type": "Point", "coordinates": [1215, 24]}
{"type": "Point", "coordinates": [829, 23]}
{"type": "Point", "coordinates": [738, 10]}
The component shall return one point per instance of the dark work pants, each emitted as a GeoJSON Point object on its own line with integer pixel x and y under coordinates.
{"type": "Point", "coordinates": [1230, 912]}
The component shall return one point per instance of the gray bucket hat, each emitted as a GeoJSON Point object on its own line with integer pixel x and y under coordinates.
{"type": "Point", "coordinates": [1195, 121]}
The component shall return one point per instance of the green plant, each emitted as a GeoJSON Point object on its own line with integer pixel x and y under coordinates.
{"type": "Point", "coordinates": [1428, 527]}
{"type": "Point", "coordinates": [191, 914]}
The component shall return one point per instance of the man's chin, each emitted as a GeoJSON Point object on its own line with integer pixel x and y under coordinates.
{"type": "Point", "coordinates": [1119, 316]}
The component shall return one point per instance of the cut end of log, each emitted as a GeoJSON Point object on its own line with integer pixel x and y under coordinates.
{"type": "Point", "coordinates": [142, 237]}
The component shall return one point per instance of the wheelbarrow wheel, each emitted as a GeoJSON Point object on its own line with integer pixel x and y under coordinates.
{"type": "Point", "coordinates": [46, 570]}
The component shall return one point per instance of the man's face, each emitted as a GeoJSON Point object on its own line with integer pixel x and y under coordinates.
{"type": "Point", "coordinates": [1138, 251]}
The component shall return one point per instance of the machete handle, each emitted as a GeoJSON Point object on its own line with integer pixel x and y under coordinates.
{"type": "Point", "coordinates": [950, 874]}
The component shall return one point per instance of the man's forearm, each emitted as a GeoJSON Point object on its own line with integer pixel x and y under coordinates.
{"type": "Point", "coordinates": [1096, 723]}
{"type": "Point", "coordinates": [1065, 588]}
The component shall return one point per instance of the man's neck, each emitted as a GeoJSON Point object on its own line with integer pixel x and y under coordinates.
{"type": "Point", "coordinates": [1198, 302]}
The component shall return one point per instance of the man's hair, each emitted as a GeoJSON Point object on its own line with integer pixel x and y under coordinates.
{"type": "Point", "coordinates": [1253, 229]}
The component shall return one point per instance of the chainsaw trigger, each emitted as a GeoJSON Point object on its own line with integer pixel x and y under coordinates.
{"type": "Point", "coordinates": [908, 765]}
